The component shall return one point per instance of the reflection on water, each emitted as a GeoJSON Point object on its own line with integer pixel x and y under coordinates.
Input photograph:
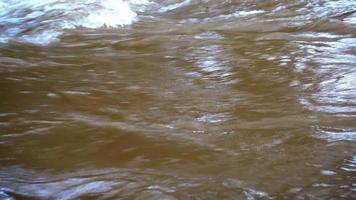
{"type": "Point", "coordinates": [177, 99]}
{"type": "Point", "coordinates": [112, 183]}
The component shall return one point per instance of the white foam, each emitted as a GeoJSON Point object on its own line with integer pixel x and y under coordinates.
{"type": "Point", "coordinates": [114, 13]}
{"type": "Point", "coordinates": [71, 14]}
{"type": "Point", "coordinates": [140, 2]}
{"type": "Point", "coordinates": [247, 13]}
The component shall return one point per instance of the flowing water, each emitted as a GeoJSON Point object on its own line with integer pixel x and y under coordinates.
{"type": "Point", "coordinates": [177, 99]}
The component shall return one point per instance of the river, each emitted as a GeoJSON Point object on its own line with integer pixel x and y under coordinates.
{"type": "Point", "coordinates": [177, 99]}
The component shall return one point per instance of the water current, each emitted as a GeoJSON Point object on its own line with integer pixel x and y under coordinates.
{"type": "Point", "coordinates": [177, 99]}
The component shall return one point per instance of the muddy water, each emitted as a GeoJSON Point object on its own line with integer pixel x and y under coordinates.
{"type": "Point", "coordinates": [177, 99]}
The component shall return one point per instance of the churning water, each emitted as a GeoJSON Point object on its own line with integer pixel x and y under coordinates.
{"type": "Point", "coordinates": [177, 99]}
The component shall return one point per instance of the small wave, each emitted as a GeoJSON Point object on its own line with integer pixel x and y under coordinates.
{"type": "Point", "coordinates": [43, 22]}
{"type": "Point", "coordinates": [349, 165]}
{"type": "Point", "coordinates": [246, 13]}
{"type": "Point", "coordinates": [333, 134]}
{"type": "Point", "coordinates": [112, 183]}
{"type": "Point", "coordinates": [175, 6]}
{"type": "Point", "coordinates": [113, 14]}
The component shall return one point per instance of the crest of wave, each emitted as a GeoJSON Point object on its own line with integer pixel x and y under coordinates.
{"type": "Point", "coordinates": [48, 18]}
{"type": "Point", "coordinates": [113, 13]}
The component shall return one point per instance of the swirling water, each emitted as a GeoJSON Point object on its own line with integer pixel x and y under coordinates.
{"type": "Point", "coordinates": [177, 99]}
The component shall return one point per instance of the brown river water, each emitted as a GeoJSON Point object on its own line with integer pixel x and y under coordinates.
{"type": "Point", "coordinates": [177, 99]}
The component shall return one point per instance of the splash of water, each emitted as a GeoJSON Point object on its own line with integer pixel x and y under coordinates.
{"type": "Point", "coordinates": [43, 22]}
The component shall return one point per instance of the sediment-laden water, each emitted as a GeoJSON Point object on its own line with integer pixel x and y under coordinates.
{"type": "Point", "coordinates": [177, 99]}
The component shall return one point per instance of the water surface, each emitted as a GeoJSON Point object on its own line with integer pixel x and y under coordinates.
{"type": "Point", "coordinates": [177, 99]}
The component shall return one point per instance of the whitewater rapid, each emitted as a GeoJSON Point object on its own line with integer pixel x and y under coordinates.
{"type": "Point", "coordinates": [44, 21]}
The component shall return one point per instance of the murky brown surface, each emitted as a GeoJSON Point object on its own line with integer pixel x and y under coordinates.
{"type": "Point", "coordinates": [202, 99]}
